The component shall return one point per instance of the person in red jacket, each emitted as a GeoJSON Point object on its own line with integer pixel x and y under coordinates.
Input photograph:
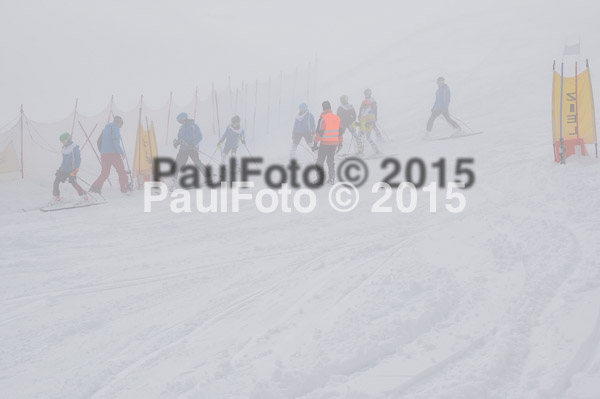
{"type": "Point", "coordinates": [328, 140]}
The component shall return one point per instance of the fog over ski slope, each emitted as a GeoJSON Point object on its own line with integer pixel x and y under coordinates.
{"type": "Point", "coordinates": [500, 301]}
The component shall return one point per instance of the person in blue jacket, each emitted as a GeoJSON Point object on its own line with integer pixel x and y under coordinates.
{"type": "Point", "coordinates": [232, 136]}
{"type": "Point", "coordinates": [188, 139]}
{"type": "Point", "coordinates": [111, 155]}
{"type": "Point", "coordinates": [440, 107]}
{"type": "Point", "coordinates": [304, 128]}
{"type": "Point", "coordinates": [71, 160]}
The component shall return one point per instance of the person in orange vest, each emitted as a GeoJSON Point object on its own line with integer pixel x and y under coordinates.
{"type": "Point", "coordinates": [328, 140]}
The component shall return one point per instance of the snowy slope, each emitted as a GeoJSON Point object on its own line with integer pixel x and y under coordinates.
{"type": "Point", "coordinates": [500, 301]}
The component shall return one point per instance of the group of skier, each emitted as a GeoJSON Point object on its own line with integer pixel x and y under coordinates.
{"type": "Point", "coordinates": [326, 136]}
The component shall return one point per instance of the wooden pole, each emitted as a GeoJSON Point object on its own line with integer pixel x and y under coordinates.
{"type": "Point", "coordinates": [110, 111]}
{"type": "Point", "coordinates": [279, 104]}
{"type": "Point", "coordinates": [169, 116]}
{"type": "Point", "coordinates": [292, 101]}
{"type": "Point", "coordinates": [212, 103]}
{"type": "Point", "coordinates": [268, 103]}
{"type": "Point", "coordinates": [577, 110]}
{"type": "Point", "coordinates": [562, 141]}
{"type": "Point", "coordinates": [22, 152]}
{"type": "Point", "coordinates": [195, 102]}
{"type": "Point", "coordinates": [236, 102]}
{"type": "Point", "coordinates": [587, 65]}
{"type": "Point", "coordinates": [74, 117]}
{"type": "Point", "coordinates": [255, 104]}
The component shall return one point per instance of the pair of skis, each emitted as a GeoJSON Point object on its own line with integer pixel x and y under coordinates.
{"type": "Point", "coordinates": [63, 206]}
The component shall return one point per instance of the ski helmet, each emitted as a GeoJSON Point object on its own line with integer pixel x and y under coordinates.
{"type": "Point", "coordinates": [117, 120]}
{"type": "Point", "coordinates": [303, 107]}
{"type": "Point", "coordinates": [344, 99]}
{"type": "Point", "coordinates": [326, 105]}
{"type": "Point", "coordinates": [441, 80]}
{"type": "Point", "coordinates": [182, 117]}
{"type": "Point", "coordinates": [65, 138]}
{"type": "Point", "coordinates": [368, 92]}
{"type": "Point", "coordinates": [235, 119]}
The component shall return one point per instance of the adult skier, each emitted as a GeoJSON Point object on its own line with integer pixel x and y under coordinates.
{"type": "Point", "coordinates": [347, 115]}
{"type": "Point", "coordinates": [440, 107]}
{"type": "Point", "coordinates": [71, 160]}
{"type": "Point", "coordinates": [188, 139]}
{"type": "Point", "coordinates": [304, 128]}
{"type": "Point", "coordinates": [367, 118]}
{"type": "Point", "coordinates": [232, 136]}
{"type": "Point", "coordinates": [111, 154]}
{"type": "Point", "coordinates": [328, 139]}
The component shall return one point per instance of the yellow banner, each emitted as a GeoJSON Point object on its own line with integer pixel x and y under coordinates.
{"type": "Point", "coordinates": [578, 120]}
{"type": "Point", "coordinates": [8, 159]}
{"type": "Point", "coordinates": [145, 152]}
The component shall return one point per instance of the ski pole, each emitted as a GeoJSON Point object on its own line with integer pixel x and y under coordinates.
{"type": "Point", "coordinates": [463, 123]}
{"type": "Point", "coordinates": [131, 185]}
{"type": "Point", "coordinates": [249, 153]}
{"type": "Point", "coordinates": [213, 154]}
{"type": "Point", "coordinates": [383, 130]}
{"type": "Point", "coordinates": [88, 191]}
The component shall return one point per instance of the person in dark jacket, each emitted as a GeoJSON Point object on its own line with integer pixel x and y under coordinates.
{"type": "Point", "coordinates": [304, 128]}
{"type": "Point", "coordinates": [111, 154]}
{"type": "Point", "coordinates": [347, 115]}
{"type": "Point", "coordinates": [233, 135]}
{"type": "Point", "coordinates": [71, 161]}
{"type": "Point", "coordinates": [440, 107]}
{"type": "Point", "coordinates": [188, 139]}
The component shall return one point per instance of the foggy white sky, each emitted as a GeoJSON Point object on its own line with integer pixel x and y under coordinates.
{"type": "Point", "coordinates": [53, 52]}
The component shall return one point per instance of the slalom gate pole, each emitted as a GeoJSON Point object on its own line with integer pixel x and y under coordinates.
{"type": "Point", "coordinates": [279, 103]}
{"type": "Point", "coordinates": [255, 104]}
{"type": "Point", "coordinates": [22, 152]}
{"type": "Point", "coordinates": [293, 93]}
{"type": "Point", "coordinates": [562, 141]}
{"type": "Point", "coordinates": [195, 102]}
{"type": "Point", "coordinates": [268, 104]}
{"type": "Point", "coordinates": [217, 109]}
{"type": "Point", "coordinates": [169, 117]}
{"type": "Point", "coordinates": [74, 117]}
{"type": "Point", "coordinates": [587, 64]}
{"type": "Point", "coordinates": [93, 149]}
{"type": "Point", "coordinates": [131, 182]}
{"type": "Point", "coordinates": [212, 100]}
{"type": "Point", "coordinates": [110, 111]}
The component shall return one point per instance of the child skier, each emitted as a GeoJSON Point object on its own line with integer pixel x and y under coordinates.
{"type": "Point", "coordinates": [232, 136]}
{"type": "Point", "coordinates": [71, 160]}
{"type": "Point", "coordinates": [367, 117]}
{"type": "Point", "coordinates": [188, 139]}
{"type": "Point", "coordinates": [347, 115]}
{"type": "Point", "coordinates": [304, 128]}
